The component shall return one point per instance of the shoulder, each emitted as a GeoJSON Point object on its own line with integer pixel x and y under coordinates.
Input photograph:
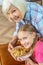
{"type": "Point", "coordinates": [34, 5]}
{"type": "Point", "coordinates": [31, 6]}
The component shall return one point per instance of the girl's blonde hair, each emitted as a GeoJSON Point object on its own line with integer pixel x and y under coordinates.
{"type": "Point", "coordinates": [27, 27]}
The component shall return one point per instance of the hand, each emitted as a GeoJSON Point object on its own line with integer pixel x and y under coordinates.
{"type": "Point", "coordinates": [30, 62]}
{"type": "Point", "coordinates": [23, 58]}
{"type": "Point", "coordinates": [12, 44]}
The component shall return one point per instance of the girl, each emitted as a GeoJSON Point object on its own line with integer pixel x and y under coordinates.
{"type": "Point", "coordinates": [27, 35]}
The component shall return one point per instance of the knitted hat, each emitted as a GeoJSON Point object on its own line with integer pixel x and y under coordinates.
{"type": "Point", "coordinates": [20, 4]}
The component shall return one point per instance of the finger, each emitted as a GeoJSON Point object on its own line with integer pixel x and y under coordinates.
{"type": "Point", "coordinates": [13, 56]}
{"type": "Point", "coordinates": [9, 50]}
{"type": "Point", "coordinates": [10, 46]}
{"type": "Point", "coordinates": [19, 59]}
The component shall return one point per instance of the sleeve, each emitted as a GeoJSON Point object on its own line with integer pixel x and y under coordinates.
{"type": "Point", "coordinates": [38, 52]}
{"type": "Point", "coordinates": [18, 26]}
{"type": "Point", "coordinates": [37, 17]}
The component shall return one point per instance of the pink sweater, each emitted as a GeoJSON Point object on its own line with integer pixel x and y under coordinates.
{"type": "Point", "coordinates": [38, 52]}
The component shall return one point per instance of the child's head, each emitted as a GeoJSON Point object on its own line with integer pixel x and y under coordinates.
{"type": "Point", "coordinates": [27, 35]}
{"type": "Point", "coordinates": [14, 9]}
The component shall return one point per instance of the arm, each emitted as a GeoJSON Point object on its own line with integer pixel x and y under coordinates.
{"type": "Point", "coordinates": [14, 39]}
{"type": "Point", "coordinates": [40, 63]}
{"type": "Point", "coordinates": [30, 62]}
{"type": "Point", "coordinates": [34, 15]}
{"type": "Point", "coordinates": [37, 17]}
{"type": "Point", "coordinates": [12, 43]}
